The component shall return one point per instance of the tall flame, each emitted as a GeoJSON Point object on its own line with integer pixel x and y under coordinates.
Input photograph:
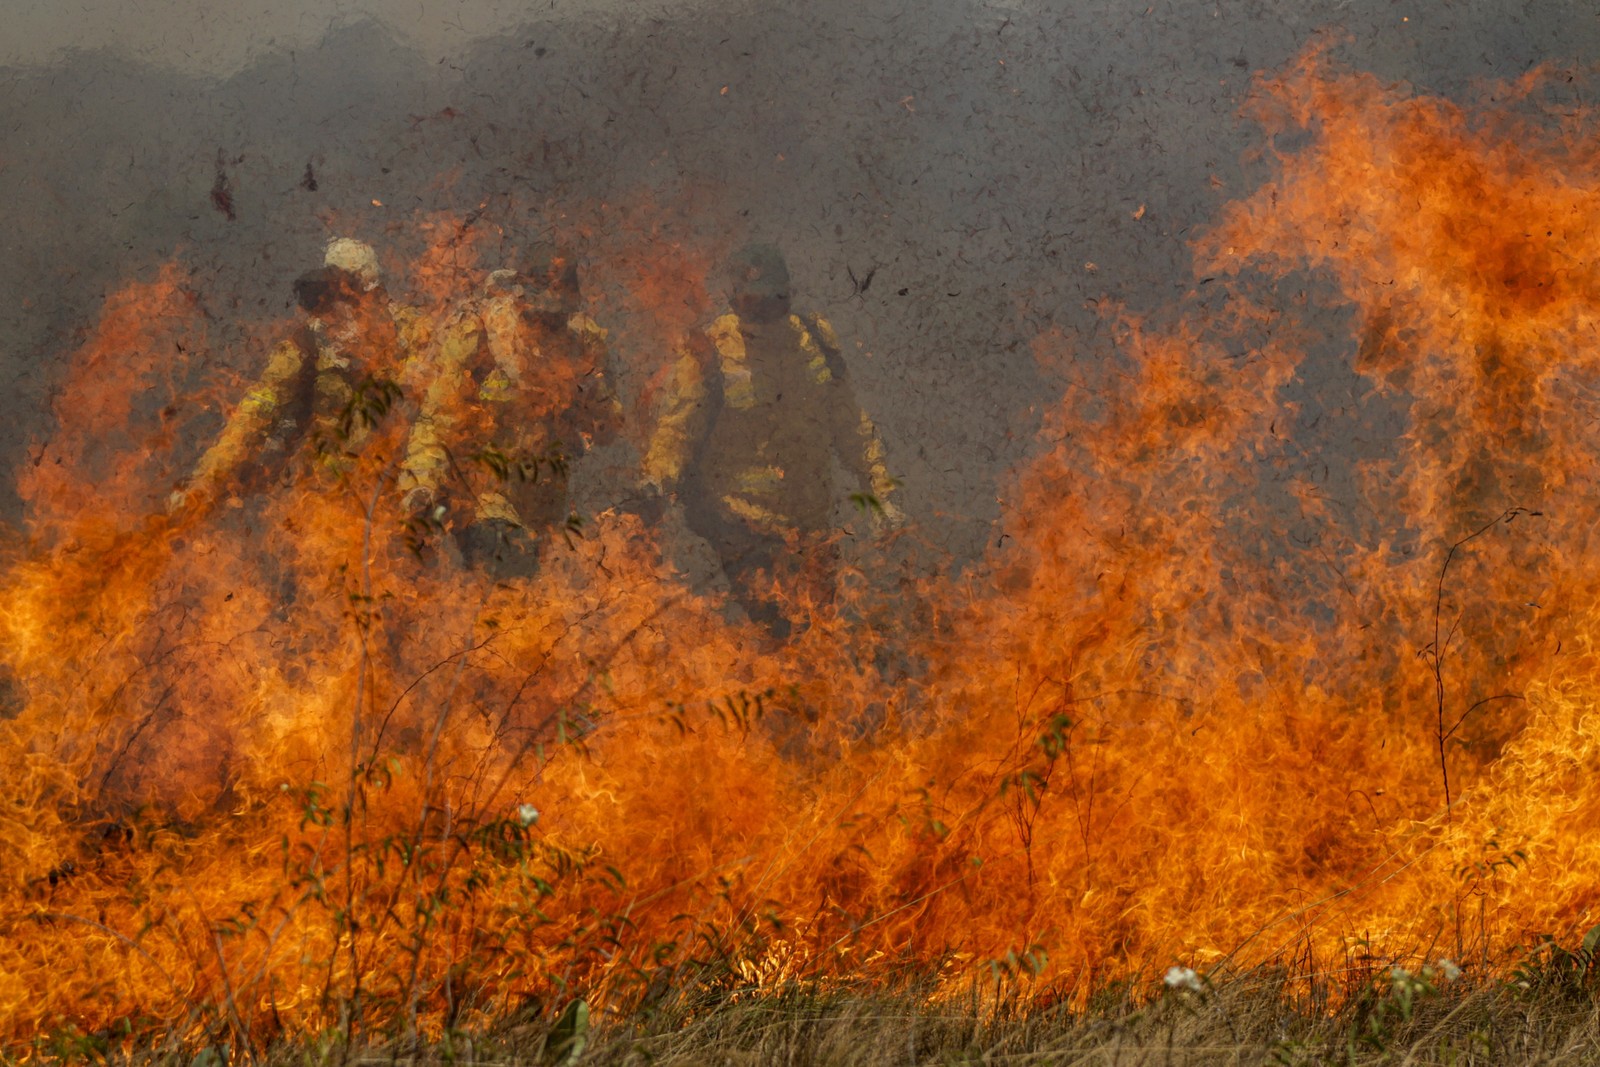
{"type": "Point", "coordinates": [265, 769]}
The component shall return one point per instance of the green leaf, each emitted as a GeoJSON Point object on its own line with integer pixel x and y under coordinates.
{"type": "Point", "coordinates": [568, 1036]}
{"type": "Point", "coordinates": [866, 503]}
{"type": "Point", "coordinates": [1591, 944]}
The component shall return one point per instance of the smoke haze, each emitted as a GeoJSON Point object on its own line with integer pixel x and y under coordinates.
{"type": "Point", "coordinates": [999, 170]}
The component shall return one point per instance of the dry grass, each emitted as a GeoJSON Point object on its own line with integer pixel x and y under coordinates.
{"type": "Point", "coordinates": [1243, 1023]}
{"type": "Point", "coordinates": [1548, 1016]}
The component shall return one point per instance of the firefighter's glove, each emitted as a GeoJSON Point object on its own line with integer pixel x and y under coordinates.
{"type": "Point", "coordinates": [419, 505]}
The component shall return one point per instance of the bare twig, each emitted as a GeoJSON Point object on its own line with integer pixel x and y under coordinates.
{"type": "Point", "coordinates": [1434, 654]}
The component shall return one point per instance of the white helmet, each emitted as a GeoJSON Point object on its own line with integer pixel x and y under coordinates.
{"type": "Point", "coordinates": [357, 257]}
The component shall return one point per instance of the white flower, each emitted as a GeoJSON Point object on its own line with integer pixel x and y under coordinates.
{"type": "Point", "coordinates": [527, 814]}
{"type": "Point", "coordinates": [1449, 970]}
{"type": "Point", "coordinates": [1182, 978]}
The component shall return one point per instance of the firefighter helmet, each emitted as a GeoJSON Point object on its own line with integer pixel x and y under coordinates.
{"type": "Point", "coordinates": [759, 281]}
{"type": "Point", "coordinates": [357, 257]}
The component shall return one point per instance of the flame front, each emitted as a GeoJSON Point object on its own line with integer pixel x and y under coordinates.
{"type": "Point", "coordinates": [267, 770]}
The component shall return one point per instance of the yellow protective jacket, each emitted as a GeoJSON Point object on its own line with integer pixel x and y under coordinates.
{"type": "Point", "coordinates": [308, 382]}
{"type": "Point", "coordinates": [504, 404]}
{"type": "Point", "coordinates": [752, 418]}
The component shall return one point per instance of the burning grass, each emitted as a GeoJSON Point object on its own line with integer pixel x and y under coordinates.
{"type": "Point", "coordinates": [278, 767]}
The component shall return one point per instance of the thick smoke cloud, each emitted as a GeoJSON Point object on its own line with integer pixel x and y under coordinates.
{"type": "Point", "coordinates": [998, 169]}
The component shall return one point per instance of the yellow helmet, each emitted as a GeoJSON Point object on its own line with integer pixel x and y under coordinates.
{"type": "Point", "coordinates": [357, 257]}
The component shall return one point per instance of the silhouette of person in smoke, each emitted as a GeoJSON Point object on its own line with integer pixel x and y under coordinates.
{"type": "Point", "coordinates": [758, 407]}
{"type": "Point", "coordinates": [517, 390]}
{"type": "Point", "coordinates": [349, 338]}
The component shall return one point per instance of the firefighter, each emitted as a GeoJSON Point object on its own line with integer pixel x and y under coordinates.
{"type": "Point", "coordinates": [517, 391]}
{"type": "Point", "coordinates": [350, 341]}
{"type": "Point", "coordinates": [756, 410]}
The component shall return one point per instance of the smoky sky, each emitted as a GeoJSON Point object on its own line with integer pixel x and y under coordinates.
{"type": "Point", "coordinates": [997, 169]}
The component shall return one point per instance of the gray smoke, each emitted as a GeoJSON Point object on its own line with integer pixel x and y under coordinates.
{"type": "Point", "coordinates": [984, 163]}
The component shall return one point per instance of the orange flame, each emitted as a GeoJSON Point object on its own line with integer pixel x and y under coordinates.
{"type": "Point", "coordinates": [266, 770]}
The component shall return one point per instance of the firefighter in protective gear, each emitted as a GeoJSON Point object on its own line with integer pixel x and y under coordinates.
{"type": "Point", "coordinates": [350, 336]}
{"type": "Point", "coordinates": [754, 414]}
{"type": "Point", "coordinates": [517, 390]}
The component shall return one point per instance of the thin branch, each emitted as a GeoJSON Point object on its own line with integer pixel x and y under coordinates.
{"type": "Point", "coordinates": [1479, 704]}
{"type": "Point", "coordinates": [1436, 652]}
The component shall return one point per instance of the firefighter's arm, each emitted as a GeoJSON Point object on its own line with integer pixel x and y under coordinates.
{"type": "Point", "coordinates": [875, 475]}
{"type": "Point", "coordinates": [415, 330]}
{"type": "Point", "coordinates": [246, 428]}
{"type": "Point", "coordinates": [855, 437]}
{"type": "Point", "coordinates": [427, 458]}
{"type": "Point", "coordinates": [679, 424]}
{"type": "Point", "coordinates": [502, 334]}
